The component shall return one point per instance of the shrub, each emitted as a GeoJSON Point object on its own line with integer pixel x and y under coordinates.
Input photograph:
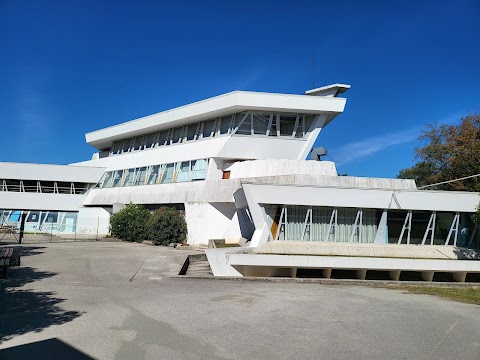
{"type": "Point", "coordinates": [167, 225]}
{"type": "Point", "coordinates": [130, 223]}
{"type": "Point", "coordinates": [476, 216]}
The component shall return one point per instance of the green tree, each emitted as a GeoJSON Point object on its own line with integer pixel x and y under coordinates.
{"type": "Point", "coordinates": [448, 152]}
{"type": "Point", "coordinates": [130, 223]}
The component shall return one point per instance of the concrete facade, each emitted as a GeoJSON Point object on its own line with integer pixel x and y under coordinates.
{"type": "Point", "coordinates": [236, 164]}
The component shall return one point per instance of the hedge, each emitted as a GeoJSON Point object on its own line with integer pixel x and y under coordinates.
{"type": "Point", "coordinates": [165, 226]}
{"type": "Point", "coordinates": [136, 223]}
{"type": "Point", "coordinates": [129, 223]}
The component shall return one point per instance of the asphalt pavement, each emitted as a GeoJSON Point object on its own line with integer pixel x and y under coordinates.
{"type": "Point", "coordinates": [101, 300]}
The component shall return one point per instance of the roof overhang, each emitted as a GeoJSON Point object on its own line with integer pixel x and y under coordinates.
{"type": "Point", "coordinates": [330, 90]}
{"type": "Point", "coordinates": [226, 104]}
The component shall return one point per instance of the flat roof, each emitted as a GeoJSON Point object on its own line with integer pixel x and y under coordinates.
{"type": "Point", "coordinates": [221, 105]}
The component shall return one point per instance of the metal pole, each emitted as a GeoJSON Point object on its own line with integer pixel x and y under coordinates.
{"type": "Point", "coordinates": [98, 224]}
{"type": "Point", "coordinates": [22, 226]}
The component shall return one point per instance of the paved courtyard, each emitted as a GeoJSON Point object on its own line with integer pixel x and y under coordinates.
{"type": "Point", "coordinates": [116, 301]}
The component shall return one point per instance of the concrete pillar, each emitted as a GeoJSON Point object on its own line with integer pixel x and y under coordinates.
{"type": "Point", "coordinates": [293, 272]}
{"type": "Point", "coordinates": [427, 275]}
{"type": "Point", "coordinates": [327, 273]}
{"type": "Point", "coordinates": [361, 274]}
{"type": "Point", "coordinates": [394, 275]}
{"type": "Point", "coordinates": [460, 276]}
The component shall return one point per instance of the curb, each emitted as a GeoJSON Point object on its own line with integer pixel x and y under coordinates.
{"type": "Point", "coordinates": [351, 282]}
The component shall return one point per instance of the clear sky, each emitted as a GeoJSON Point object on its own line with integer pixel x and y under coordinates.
{"type": "Point", "coordinates": [70, 67]}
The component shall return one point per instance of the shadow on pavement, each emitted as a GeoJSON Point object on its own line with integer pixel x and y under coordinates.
{"type": "Point", "coordinates": [46, 349]}
{"type": "Point", "coordinates": [26, 310]}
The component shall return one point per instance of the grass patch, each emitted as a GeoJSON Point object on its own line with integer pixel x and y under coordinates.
{"type": "Point", "coordinates": [467, 295]}
{"type": "Point", "coordinates": [226, 245]}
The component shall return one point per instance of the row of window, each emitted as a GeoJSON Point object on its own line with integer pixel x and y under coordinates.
{"type": "Point", "coordinates": [244, 123]}
{"type": "Point", "coordinates": [46, 187]}
{"type": "Point", "coordinates": [41, 221]}
{"type": "Point", "coordinates": [317, 223]}
{"type": "Point", "coordinates": [157, 174]}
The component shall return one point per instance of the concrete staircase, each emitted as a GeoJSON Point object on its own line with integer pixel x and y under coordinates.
{"type": "Point", "coordinates": [198, 266]}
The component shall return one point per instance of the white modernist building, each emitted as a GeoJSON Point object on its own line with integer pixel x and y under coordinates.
{"type": "Point", "coordinates": [236, 164]}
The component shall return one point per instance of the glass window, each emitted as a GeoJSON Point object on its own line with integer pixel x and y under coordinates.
{"type": "Point", "coordinates": [33, 216]}
{"type": "Point", "coordinates": [245, 128]}
{"type": "Point", "coordinates": [287, 124]}
{"type": "Point", "coordinates": [15, 216]}
{"type": "Point", "coordinates": [129, 177]}
{"type": "Point", "coordinates": [163, 138]}
{"type": "Point", "coordinates": [191, 132]}
{"type": "Point", "coordinates": [64, 187]}
{"type": "Point", "coordinates": [308, 122]}
{"type": "Point", "coordinates": [208, 128]}
{"type": "Point", "coordinates": [199, 169]}
{"type": "Point", "coordinates": [275, 125]}
{"type": "Point", "coordinates": [183, 172]}
{"type": "Point", "coordinates": [177, 135]}
{"type": "Point", "coordinates": [260, 123]}
{"type": "Point", "coordinates": [168, 174]}
{"type": "Point", "coordinates": [153, 177]}
{"type": "Point", "coordinates": [140, 178]}
{"type": "Point", "coordinates": [225, 123]}
{"type": "Point", "coordinates": [117, 178]}
{"type": "Point", "coordinates": [300, 131]}
{"type": "Point", "coordinates": [14, 185]}
{"type": "Point", "coordinates": [80, 188]}
{"type": "Point", "coordinates": [28, 185]}
{"type": "Point", "coordinates": [138, 143]}
{"type": "Point", "coordinates": [47, 187]}
{"type": "Point", "coordinates": [150, 140]}
{"type": "Point", "coordinates": [117, 147]}
{"type": "Point", "coordinates": [107, 179]}
{"type": "Point", "coordinates": [52, 217]}
{"type": "Point", "coordinates": [126, 145]}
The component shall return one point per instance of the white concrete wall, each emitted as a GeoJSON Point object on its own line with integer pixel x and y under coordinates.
{"type": "Point", "coordinates": [362, 198]}
{"type": "Point", "coordinates": [46, 172]}
{"type": "Point", "coordinates": [279, 167]}
{"type": "Point", "coordinates": [261, 147]}
{"type": "Point", "coordinates": [34, 201]}
{"type": "Point", "coordinates": [196, 191]}
{"type": "Point", "coordinates": [208, 221]}
{"type": "Point", "coordinates": [93, 222]}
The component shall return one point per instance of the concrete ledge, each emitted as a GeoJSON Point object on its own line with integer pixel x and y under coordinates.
{"type": "Point", "coordinates": [401, 251]}
{"type": "Point", "coordinates": [355, 263]}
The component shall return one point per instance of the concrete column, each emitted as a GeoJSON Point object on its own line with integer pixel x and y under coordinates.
{"type": "Point", "coordinates": [427, 275]}
{"type": "Point", "coordinates": [293, 272]}
{"type": "Point", "coordinates": [361, 274]}
{"type": "Point", "coordinates": [327, 273]}
{"type": "Point", "coordinates": [460, 276]}
{"type": "Point", "coordinates": [394, 275]}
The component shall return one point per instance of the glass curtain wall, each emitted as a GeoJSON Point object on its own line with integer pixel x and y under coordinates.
{"type": "Point", "coordinates": [303, 223]}
{"type": "Point", "coordinates": [257, 123]}
{"type": "Point", "coordinates": [56, 222]}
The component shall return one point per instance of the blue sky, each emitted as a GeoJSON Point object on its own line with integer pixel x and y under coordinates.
{"type": "Point", "coordinates": [69, 67]}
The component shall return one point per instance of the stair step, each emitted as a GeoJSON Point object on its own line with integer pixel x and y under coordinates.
{"type": "Point", "coordinates": [199, 268]}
